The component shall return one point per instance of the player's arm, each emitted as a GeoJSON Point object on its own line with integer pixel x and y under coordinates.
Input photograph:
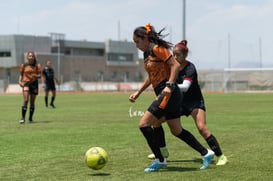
{"type": "Point", "coordinates": [57, 81]}
{"type": "Point", "coordinates": [165, 55]}
{"type": "Point", "coordinates": [43, 77]}
{"type": "Point", "coordinates": [38, 72]}
{"type": "Point", "coordinates": [184, 87]}
{"type": "Point", "coordinates": [20, 80]}
{"type": "Point", "coordinates": [143, 87]}
{"type": "Point", "coordinates": [174, 69]}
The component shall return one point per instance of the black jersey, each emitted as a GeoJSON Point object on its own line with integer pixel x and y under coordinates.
{"type": "Point", "coordinates": [193, 98]}
{"type": "Point", "coordinates": [49, 76]}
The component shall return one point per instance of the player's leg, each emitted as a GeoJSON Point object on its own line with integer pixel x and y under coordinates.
{"type": "Point", "coordinates": [32, 107]}
{"type": "Point", "coordinates": [33, 91]}
{"type": "Point", "coordinates": [145, 125]}
{"type": "Point", "coordinates": [199, 116]}
{"type": "Point", "coordinates": [159, 133]}
{"type": "Point", "coordinates": [53, 98]}
{"type": "Point", "coordinates": [25, 103]}
{"type": "Point", "coordinates": [184, 135]}
{"type": "Point", "coordinates": [46, 97]}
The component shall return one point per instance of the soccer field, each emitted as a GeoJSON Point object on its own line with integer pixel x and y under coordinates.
{"type": "Point", "coordinates": [53, 147]}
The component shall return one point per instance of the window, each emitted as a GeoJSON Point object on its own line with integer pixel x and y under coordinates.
{"type": "Point", "coordinates": [120, 57]}
{"type": "Point", "coordinates": [5, 54]}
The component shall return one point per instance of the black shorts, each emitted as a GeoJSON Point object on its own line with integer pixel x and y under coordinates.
{"type": "Point", "coordinates": [188, 107]}
{"type": "Point", "coordinates": [166, 106]}
{"type": "Point", "coordinates": [32, 88]}
{"type": "Point", "coordinates": [50, 87]}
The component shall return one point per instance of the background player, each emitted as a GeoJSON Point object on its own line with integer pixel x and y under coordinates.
{"type": "Point", "coordinates": [30, 72]}
{"type": "Point", "coordinates": [48, 82]}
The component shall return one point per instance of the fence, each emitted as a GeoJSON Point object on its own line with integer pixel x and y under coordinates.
{"type": "Point", "coordinates": [237, 80]}
{"type": "Point", "coordinates": [226, 81]}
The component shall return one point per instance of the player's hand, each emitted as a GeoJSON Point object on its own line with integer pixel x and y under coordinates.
{"type": "Point", "coordinates": [134, 96]}
{"type": "Point", "coordinates": [22, 84]}
{"type": "Point", "coordinates": [166, 91]}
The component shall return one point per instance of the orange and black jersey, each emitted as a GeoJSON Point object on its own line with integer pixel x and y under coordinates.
{"type": "Point", "coordinates": [28, 70]}
{"type": "Point", "coordinates": [155, 64]}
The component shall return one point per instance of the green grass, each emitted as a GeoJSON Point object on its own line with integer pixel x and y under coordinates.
{"type": "Point", "coordinates": [53, 147]}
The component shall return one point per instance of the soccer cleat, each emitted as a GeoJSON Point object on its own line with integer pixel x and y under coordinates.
{"type": "Point", "coordinates": [21, 121]}
{"type": "Point", "coordinates": [207, 159]}
{"type": "Point", "coordinates": [222, 160]}
{"type": "Point", "coordinates": [156, 165]}
{"type": "Point", "coordinates": [164, 151]}
{"type": "Point", "coordinates": [52, 105]}
{"type": "Point", "coordinates": [30, 121]}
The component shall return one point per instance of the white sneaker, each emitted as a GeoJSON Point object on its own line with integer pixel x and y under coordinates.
{"type": "Point", "coordinates": [164, 151]}
{"type": "Point", "coordinates": [21, 121]}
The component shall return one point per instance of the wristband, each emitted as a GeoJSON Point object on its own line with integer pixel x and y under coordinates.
{"type": "Point", "coordinates": [171, 85]}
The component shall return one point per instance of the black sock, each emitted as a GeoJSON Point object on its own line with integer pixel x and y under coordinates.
{"type": "Point", "coordinates": [187, 137]}
{"type": "Point", "coordinates": [214, 145]}
{"type": "Point", "coordinates": [31, 112]}
{"type": "Point", "coordinates": [52, 100]}
{"type": "Point", "coordinates": [24, 110]}
{"type": "Point", "coordinates": [46, 101]}
{"type": "Point", "coordinates": [159, 133]}
{"type": "Point", "coordinates": [148, 133]}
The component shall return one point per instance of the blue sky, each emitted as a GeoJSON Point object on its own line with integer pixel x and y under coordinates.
{"type": "Point", "coordinates": [248, 23]}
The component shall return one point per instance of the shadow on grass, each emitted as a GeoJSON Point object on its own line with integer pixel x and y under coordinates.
{"type": "Point", "coordinates": [180, 169]}
{"type": "Point", "coordinates": [183, 168]}
{"type": "Point", "coordinates": [40, 122]}
{"type": "Point", "coordinates": [195, 160]}
{"type": "Point", "coordinates": [99, 174]}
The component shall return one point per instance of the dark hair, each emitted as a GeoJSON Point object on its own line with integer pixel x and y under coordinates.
{"type": "Point", "coordinates": [153, 36]}
{"type": "Point", "coordinates": [35, 59]}
{"type": "Point", "coordinates": [183, 46]}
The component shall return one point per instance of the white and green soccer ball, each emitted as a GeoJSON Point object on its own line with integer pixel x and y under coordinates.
{"type": "Point", "coordinates": [96, 158]}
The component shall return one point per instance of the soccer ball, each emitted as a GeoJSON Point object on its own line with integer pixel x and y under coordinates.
{"type": "Point", "coordinates": [96, 158]}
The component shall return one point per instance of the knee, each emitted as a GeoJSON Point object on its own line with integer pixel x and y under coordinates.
{"type": "Point", "coordinates": [176, 131]}
{"type": "Point", "coordinates": [143, 124]}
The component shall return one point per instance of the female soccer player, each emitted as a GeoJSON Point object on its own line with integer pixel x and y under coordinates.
{"type": "Point", "coordinates": [162, 70]}
{"type": "Point", "coordinates": [193, 103]}
{"type": "Point", "coordinates": [30, 72]}
{"type": "Point", "coordinates": [48, 82]}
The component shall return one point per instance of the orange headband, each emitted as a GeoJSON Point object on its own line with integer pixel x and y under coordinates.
{"type": "Point", "coordinates": [148, 28]}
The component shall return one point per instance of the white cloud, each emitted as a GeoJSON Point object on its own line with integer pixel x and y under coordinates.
{"type": "Point", "coordinates": [208, 23]}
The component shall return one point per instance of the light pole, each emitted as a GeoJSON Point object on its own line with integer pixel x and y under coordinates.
{"type": "Point", "coordinates": [184, 20]}
{"type": "Point", "coordinates": [229, 52]}
{"type": "Point", "coordinates": [260, 52]}
{"type": "Point", "coordinates": [59, 59]}
{"type": "Point", "coordinates": [57, 39]}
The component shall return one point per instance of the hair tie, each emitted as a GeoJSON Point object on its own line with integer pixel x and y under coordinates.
{"type": "Point", "coordinates": [148, 28]}
{"type": "Point", "coordinates": [183, 45]}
